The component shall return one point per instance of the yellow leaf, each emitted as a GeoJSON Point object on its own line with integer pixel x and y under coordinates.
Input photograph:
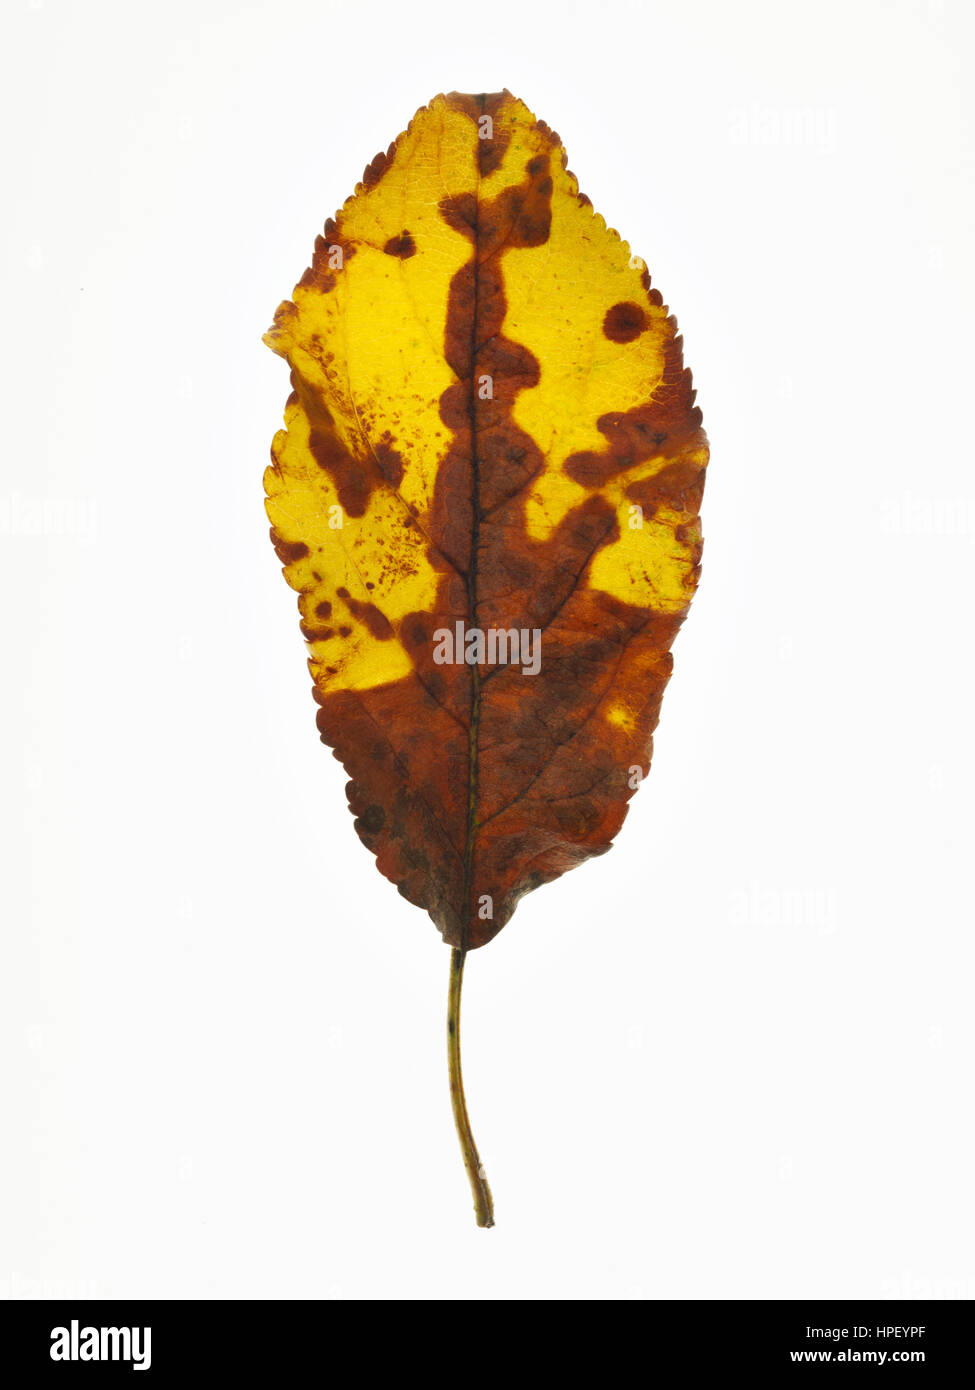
{"type": "Point", "coordinates": [486, 495]}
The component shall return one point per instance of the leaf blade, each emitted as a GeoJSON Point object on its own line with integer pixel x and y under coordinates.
{"type": "Point", "coordinates": [485, 387]}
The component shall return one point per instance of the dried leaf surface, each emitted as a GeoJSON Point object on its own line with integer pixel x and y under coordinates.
{"type": "Point", "coordinates": [490, 426]}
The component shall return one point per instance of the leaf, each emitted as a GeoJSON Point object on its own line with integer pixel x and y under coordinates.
{"type": "Point", "coordinates": [491, 436]}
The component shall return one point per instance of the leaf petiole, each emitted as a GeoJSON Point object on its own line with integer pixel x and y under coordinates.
{"type": "Point", "coordinates": [483, 1204]}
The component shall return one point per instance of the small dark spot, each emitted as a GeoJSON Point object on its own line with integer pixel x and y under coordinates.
{"type": "Point", "coordinates": [624, 322]}
{"type": "Point", "coordinates": [345, 631]}
{"type": "Point", "coordinates": [323, 609]}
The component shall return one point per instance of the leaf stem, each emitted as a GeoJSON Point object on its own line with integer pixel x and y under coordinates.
{"type": "Point", "coordinates": [483, 1204]}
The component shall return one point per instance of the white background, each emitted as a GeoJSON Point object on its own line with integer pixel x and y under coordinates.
{"type": "Point", "coordinates": [733, 1057]}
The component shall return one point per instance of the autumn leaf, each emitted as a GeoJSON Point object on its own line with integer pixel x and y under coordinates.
{"type": "Point", "coordinates": [486, 496]}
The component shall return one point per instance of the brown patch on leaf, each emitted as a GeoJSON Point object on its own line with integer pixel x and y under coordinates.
{"type": "Point", "coordinates": [402, 246]}
{"type": "Point", "coordinates": [355, 478]}
{"type": "Point", "coordinates": [490, 149]}
{"type": "Point", "coordinates": [669, 423]}
{"type": "Point", "coordinates": [347, 473]}
{"type": "Point", "coordinates": [376, 621]}
{"type": "Point", "coordinates": [288, 551]}
{"type": "Point", "coordinates": [377, 166]}
{"type": "Point", "coordinates": [326, 266]}
{"type": "Point", "coordinates": [625, 322]}
{"type": "Point", "coordinates": [389, 460]}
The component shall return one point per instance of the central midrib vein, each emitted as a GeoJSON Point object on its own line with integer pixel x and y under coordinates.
{"type": "Point", "coordinates": [475, 713]}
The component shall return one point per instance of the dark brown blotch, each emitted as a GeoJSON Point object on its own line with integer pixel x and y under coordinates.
{"type": "Point", "coordinates": [402, 246]}
{"type": "Point", "coordinates": [625, 322]}
{"type": "Point", "coordinates": [288, 551]}
{"type": "Point", "coordinates": [346, 472]}
{"type": "Point", "coordinates": [490, 150]}
{"type": "Point", "coordinates": [374, 619]}
{"type": "Point", "coordinates": [390, 460]}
